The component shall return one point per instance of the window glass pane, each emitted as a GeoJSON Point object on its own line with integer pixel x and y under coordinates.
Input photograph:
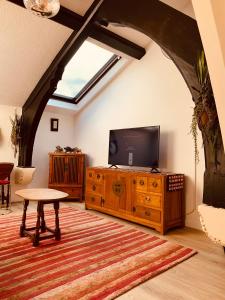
{"type": "Point", "coordinates": [86, 62]}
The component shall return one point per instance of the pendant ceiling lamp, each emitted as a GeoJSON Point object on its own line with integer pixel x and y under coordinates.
{"type": "Point", "coordinates": [43, 8]}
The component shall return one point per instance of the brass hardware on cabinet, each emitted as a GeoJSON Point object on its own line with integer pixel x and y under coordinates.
{"type": "Point", "coordinates": [93, 187]}
{"type": "Point", "coordinates": [141, 182]}
{"type": "Point", "coordinates": [154, 184]}
{"type": "Point", "coordinates": [147, 213]}
{"type": "Point", "coordinates": [118, 188]}
{"type": "Point", "coordinates": [147, 198]}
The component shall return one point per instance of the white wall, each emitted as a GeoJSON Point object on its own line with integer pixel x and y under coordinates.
{"type": "Point", "coordinates": [46, 141]}
{"type": "Point", "coordinates": [147, 92]}
{"type": "Point", "coordinates": [6, 150]}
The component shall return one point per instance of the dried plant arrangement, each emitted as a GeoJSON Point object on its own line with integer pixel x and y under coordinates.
{"type": "Point", "coordinates": [15, 132]}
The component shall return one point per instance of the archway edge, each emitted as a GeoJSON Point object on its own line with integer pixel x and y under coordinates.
{"type": "Point", "coordinates": [172, 30]}
{"type": "Point", "coordinates": [179, 36]}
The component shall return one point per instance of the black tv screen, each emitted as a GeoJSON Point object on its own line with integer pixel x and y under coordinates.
{"type": "Point", "coordinates": [134, 146]}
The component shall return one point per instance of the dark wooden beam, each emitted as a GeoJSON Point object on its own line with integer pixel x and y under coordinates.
{"type": "Point", "coordinates": [74, 21]}
{"type": "Point", "coordinates": [178, 35]}
{"type": "Point", "coordinates": [35, 104]}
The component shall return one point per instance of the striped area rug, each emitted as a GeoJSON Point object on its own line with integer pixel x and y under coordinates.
{"type": "Point", "coordinates": [95, 259]}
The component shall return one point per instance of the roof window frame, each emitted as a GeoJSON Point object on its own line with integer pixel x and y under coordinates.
{"type": "Point", "coordinates": [91, 83]}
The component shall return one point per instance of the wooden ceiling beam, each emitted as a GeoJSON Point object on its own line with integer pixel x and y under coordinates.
{"type": "Point", "coordinates": [74, 21]}
{"type": "Point", "coordinates": [35, 104]}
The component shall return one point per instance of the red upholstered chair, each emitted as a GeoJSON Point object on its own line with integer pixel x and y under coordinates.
{"type": "Point", "coordinates": [5, 171]}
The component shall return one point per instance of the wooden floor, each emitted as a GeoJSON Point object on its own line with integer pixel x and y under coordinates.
{"type": "Point", "coordinates": [202, 277]}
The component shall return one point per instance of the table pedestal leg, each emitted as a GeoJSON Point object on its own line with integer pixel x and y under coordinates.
{"type": "Point", "coordinates": [8, 196]}
{"type": "Point", "coordinates": [43, 225]}
{"type": "Point", "coordinates": [23, 225]}
{"type": "Point", "coordinates": [3, 195]}
{"type": "Point", "coordinates": [37, 229]}
{"type": "Point", "coordinates": [57, 229]}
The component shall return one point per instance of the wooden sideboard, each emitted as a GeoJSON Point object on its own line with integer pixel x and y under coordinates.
{"type": "Point", "coordinates": [66, 173]}
{"type": "Point", "coordinates": [151, 199]}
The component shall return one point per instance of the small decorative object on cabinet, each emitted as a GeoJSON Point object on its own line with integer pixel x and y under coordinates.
{"type": "Point", "coordinates": [66, 173]}
{"type": "Point", "coordinates": [153, 200]}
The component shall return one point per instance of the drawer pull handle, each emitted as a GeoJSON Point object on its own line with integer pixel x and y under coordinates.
{"type": "Point", "coordinates": [154, 184]}
{"type": "Point", "coordinates": [93, 187]}
{"type": "Point", "coordinates": [147, 213]}
{"type": "Point", "coordinates": [142, 182]}
{"type": "Point", "coordinates": [147, 198]}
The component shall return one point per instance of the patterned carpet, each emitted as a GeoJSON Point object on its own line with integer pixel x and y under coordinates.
{"type": "Point", "coordinates": [95, 259]}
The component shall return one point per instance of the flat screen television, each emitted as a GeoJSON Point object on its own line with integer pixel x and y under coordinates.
{"type": "Point", "coordinates": [134, 147]}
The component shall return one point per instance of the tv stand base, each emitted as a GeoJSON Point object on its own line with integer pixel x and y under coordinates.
{"type": "Point", "coordinates": [113, 166]}
{"type": "Point", "coordinates": [155, 170]}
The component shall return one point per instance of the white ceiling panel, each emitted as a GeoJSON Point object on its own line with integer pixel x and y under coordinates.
{"type": "Point", "coordinates": [28, 46]}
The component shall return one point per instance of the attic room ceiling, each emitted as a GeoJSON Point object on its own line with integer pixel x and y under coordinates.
{"type": "Point", "coordinates": [28, 49]}
{"type": "Point", "coordinates": [81, 6]}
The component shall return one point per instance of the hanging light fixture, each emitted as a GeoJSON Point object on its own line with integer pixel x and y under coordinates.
{"type": "Point", "coordinates": [43, 8]}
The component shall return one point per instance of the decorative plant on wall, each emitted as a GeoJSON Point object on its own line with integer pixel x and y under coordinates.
{"type": "Point", "coordinates": [205, 113]}
{"type": "Point", "coordinates": [15, 133]}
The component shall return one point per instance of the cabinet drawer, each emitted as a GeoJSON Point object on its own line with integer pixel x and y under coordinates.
{"type": "Point", "coordinates": [147, 213]}
{"type": "Point", "coordinates": [155, 185]}
{"type": "Point", "coordinates": [94, 188]}
{"type": "Point", "coordinates": [150, 200]}
{"type": "Point", "coordinates": [141, 183]}
{"type": "Point", "coordinates": [90, 175]}
{"type": "Point", "coordinates": [96, 177]}
{"type": "Point", "coordinates": [93, 199]}
{"type": "Point", "coordinates": [99, 177]}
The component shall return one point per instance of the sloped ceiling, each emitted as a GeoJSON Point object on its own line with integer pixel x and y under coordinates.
{"type": "Point", "coordinates": [29, 44]}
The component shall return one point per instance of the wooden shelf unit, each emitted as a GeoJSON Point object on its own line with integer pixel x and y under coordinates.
{"type": "Point", "coordinates": [66, 173]}
{"type": "Point", "coordinates": [153, 200]}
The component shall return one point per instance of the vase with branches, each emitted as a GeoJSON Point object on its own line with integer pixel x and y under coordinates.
{"type": "Point", "coordinates": [15, 132]}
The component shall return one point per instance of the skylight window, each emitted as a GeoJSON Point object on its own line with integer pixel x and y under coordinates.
{"type": "Point", "coordinates": [88, 65]}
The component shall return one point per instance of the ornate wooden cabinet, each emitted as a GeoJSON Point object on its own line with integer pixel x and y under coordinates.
{"type": "Point", "coordinates": [66, 173]}
{"type": "Point", "coordinates": [154, 200]}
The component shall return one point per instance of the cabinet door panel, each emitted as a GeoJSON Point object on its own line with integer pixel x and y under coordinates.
{"type": "Point", "coordinates": [71, 167]}
{"type": "Point", "coordinates": [74, 169]}
{"type": "Point", "coordinates": [58, 169]}
{"type": "Point", "coordinates": [115, 192]}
